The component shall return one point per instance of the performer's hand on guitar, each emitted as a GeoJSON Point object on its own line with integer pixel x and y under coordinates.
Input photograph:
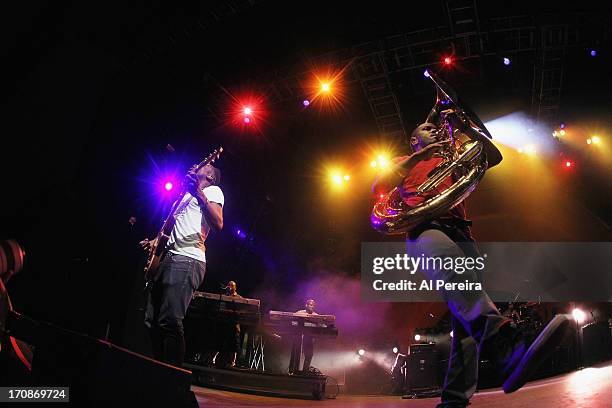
{"type": "Point", "coordinates": [191, 180]}
{"type": "Point", "coordinates": [147, 244]}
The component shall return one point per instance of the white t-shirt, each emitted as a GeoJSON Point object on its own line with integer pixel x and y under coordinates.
{"type": "Point", "coordinates": [192, 227]}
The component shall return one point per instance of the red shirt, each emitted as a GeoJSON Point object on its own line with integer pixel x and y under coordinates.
{"type": "Point", "coordinates": [418, 175]}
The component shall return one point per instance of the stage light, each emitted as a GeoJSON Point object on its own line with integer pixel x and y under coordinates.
{"type": "Point", "coordinates": [579, 315]}
{"type": "Point", "coordinates": [448, 60]}
{"type": "Point", "coordinates": [395, 350]}
{"type": "Point", "coordinates": [593, 53]}
{"type": "Point", "coordinates": [337, 179]}
{"type": "Point", "coordinates": [562, 132]}
{"type": "Point", "coordinates": [306, 102]}
{"type": "Point", "coordinates": [168, 185]}
{"type": "Point", "coordinates": [568, 164]}
{"type": "Point", "coordinates": [562, 126]}
{"type": "Point", "coordinates": [589, 141]}
{"type": "Point", "coordinates": [426, 74]}
{"type": "Point", "coordinates": [241, 233]}
{"type": "Point", "coordinates": [382, 161]}
{"type": "Point", "coordinates": [417, 337]}
{"type": "Point", "coordinates": [555, 133]}
{"type": "Point", "coordinates": [346, 177]}
{"type": "Point", "coordinates": [248, 111]}
{"type": "Point", "coordinates": [517, 130]}
{"type": "Point", "coordinates": [381, 196]}
{"type": "Point", "coordinates": [326, 90]}
{"type": "Point", "coordinates": [506, 61]}
{"type": "Point", "coordinates": [530, 150]}
{"type": "Point", "coordinates": [451, 334]}
{"type": "Point", "coordinates": [596, 139]}
{"type": "Point", "coordinates": [361, 352]}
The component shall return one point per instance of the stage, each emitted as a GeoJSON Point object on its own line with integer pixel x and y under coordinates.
{"type": "Point", "coordinates": [587, 388]}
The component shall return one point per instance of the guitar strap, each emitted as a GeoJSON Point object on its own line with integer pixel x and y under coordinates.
{"type": "Point", "coordinates": [182, 206]}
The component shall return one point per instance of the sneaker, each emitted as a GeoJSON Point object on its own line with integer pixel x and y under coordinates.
{"type": "Point", "coordinates": [505, 349]}
{"type": "Point", "coordinates": [453, 404]}
{"type": "Point", "coordinates": [543, 346]}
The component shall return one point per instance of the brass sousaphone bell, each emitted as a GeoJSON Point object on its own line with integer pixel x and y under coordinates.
{"type": "Point", "coordinates": [466, 162]}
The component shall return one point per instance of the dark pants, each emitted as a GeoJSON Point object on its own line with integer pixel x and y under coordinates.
{"type": "Point", "coordinates": [179, 277]}
{"type": "Point", "coordinates": [474, 316]}
{"type": "Point", "coordinates": [301, 344]}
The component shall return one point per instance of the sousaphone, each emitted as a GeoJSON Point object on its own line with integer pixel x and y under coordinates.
{"type": "Point", "coordinates": [463, 157]}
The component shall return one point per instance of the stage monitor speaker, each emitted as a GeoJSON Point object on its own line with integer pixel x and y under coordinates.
{"type": "Point", "coordinates": [99, 373]}
{"type": "Point", "coordinates": [596, 343]}
{"type": "Point", "coordinates": [422, 365]}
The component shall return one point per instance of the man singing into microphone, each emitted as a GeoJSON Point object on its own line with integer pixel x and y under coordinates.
{"type": "Point", "coordinates": [183, 266]}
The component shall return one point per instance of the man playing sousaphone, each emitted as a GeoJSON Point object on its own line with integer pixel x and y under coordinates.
{"type": "Point", "coordinates": [478, 327]}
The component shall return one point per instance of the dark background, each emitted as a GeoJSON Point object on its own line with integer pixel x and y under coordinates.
{"type": "Point", "coordinates": [94, 93]}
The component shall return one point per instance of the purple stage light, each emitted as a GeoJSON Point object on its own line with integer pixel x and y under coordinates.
{"type": "Point", "coordinates": [240, 233]}
{"type": "Point", "coordinates": [168, 186]}
{"type": "Point", "coordinates": [426, 74]}
{"type": "Point", "coordinates": [306, 102]}
{"type": "Point", "coordinates": [593, 53]}
{"type": "Point", "coordinates": [506, 61]}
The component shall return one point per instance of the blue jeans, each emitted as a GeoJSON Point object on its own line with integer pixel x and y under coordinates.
{"type": "Point", "coordinates": [179, 276]}
{"type": "Point", "coordinates": [474, 316]}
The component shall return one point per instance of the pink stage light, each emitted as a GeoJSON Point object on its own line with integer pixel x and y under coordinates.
{"type": "Point", "coordinates": [168, 186]}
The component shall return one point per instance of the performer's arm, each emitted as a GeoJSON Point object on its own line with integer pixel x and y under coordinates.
{"type": "Point", "coordinates": [494, 156]}
{"type": "Point", "coordinates": [212, 209]}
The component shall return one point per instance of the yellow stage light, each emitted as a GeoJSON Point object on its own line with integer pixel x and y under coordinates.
{"type": "Point", "coordinates": [530, 149]}
{"type": "Point", "coordinates": [325, 87]}
{"type": "Point", "coordinates": [596, 139]}
{"type": "Point", "coordinates": [346, 177]}
{"type": "Point", "coordinates": [373, 163]}
{"type": "Point", "coordinates": [337, 179]}
{"type": "Point", "coordinates": [589, 141]}
{"type": "Point", "coordinates": [562, 132]}
{"type": "Point", "coordinates": [382, 161]}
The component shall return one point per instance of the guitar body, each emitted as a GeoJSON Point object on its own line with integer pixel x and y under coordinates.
{"type": "Point", "coordinates": [157, 250]}
{"type": "Point", "coordinates": [154, 258]}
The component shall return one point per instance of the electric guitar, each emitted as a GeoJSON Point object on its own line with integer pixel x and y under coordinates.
{"type": "Point", "coordinates": [158, 245]}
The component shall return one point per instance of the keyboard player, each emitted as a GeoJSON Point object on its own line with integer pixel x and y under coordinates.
{"type": "Point", "coordinates": [304, 341]}
{"type": "Point", "coordinates": [231, 340]}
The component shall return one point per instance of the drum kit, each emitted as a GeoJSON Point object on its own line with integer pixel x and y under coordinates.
{"type": "Point", "coordinates": [527, 316]}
